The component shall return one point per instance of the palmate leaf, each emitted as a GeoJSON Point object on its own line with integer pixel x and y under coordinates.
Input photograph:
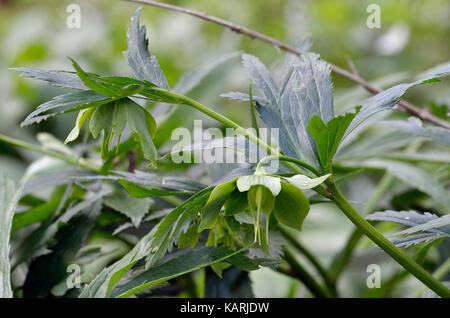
{"type": "Point", "coordinates": [305, 90]}
{"type": "Point", "coordinates": [261, 77]}
{"type": "Point", "coordinates": [168, 231]}
{"type": "Point", "coordinates": [184, 264]}
{"type": "Point", "coordinates": [432, 226]}
{"type": "Point", "coordinates": [113, 86]}
{"type": "Point", "coordinates": [143, 63]}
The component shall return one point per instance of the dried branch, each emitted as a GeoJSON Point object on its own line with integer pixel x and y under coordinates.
{"type": "Point", "coordinates": [352, 65]}
{"type": "Point", "coordinates": [403, 106]}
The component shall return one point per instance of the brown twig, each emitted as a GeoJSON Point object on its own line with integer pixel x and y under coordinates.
{"type": "Point", "coordinates": [402, 105]}
{"type": "Point", "coordinates": [352, 65]}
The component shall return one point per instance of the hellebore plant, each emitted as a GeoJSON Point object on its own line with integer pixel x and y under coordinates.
{"type": "Point", "coordinates": [232, 211]}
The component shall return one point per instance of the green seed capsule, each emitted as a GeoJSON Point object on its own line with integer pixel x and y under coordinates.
{"type": "Point", "coordinates": [260, 199]}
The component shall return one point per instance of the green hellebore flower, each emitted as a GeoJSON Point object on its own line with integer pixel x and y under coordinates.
{"type": "Point", "coordinates": [261, 193]}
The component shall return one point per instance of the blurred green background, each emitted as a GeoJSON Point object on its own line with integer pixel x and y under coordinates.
{"type": "Point", "coordinates": [414, 36]}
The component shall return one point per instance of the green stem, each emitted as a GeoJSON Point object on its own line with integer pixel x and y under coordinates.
{"type": "Point", "coordinates": [289, 159]}
{"type": "Point", "coordinates": [302, 274]}
{"type": "Point", "coordinates": [342, 259]}
{"type": "Point", "coordinates": [438, 274]}
{"type": "Point", "coordinates": [253, 112]}
{"type": "Point", "coordinates": [87, 164]}
{"type": "Point", "coordinates": [366, 228]}
{"type": "Point", "coordinates": [382, 187]}
{"type": "Point", "coordinates": [320, 269]}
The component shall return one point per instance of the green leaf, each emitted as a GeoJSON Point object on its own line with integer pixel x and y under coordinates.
{"type": "Point", "coordinates": [211, 210]}
{"type": "Point", "coordinates": [39, 239]}
{"type": "Point", "coordinates": [133, 208]}
{"type": "Point", "coordinates": [54, 78]}
{"type": "Point", "coordinates": [142, 123]}
{"type": "Point", "coordinates": [306, 90]}
{"type": "Point", "coordinates": [440, 224]}
{"type": "Point", "coordinates": [112, 119]}
{"type": "Point", "coordinates": [328, 137]}
{"type": "Point", "coordinates": [97, 84]}
{"type": "Point", "coordinates": [143, 63]}
{"type": "Point", "coordinates": [142, 185]}
{"type": "Point", "coordinates": [81, 118]}
{"type": "Point", "coordinates": [433, 227]}
{"type": "Point", "coordinates": [102, 284]}
{"type": "Point", "coordinates": [391, 97]}
{"type": "Point", "coordinates": [261, 76]}
{"type": "Point", "coordinates": [189, 238]}
{"type": "Point", "coordinates": [64, 104]}
{"type": "Point", "coordinates": [236, 203]}
{"type": "Point", "coordinates": [244, 183]}
{"type": "Point", "coordinates": [291, 206]}
{"type": "Point", "coordinates": [182, 265]}
{"type": "Point", "coordinates": [9, 197]}
{"type": "Point", "coordinates": [174, 224]}
{"type": "Point", "coordinates": [39, 213]}
{"type": "Point", "coordinates": [415, 127]}
{"type": "Point", "coordinates": [143, 191]}
{"type": "Point", "coordinates": [102, 119]}
{"type": "Point", "coordinates": [304, 182]}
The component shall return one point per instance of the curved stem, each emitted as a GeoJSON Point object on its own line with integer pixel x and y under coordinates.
{"type": "Point", "coordinates": [302, 274]}
{"type": "Point", "coordinates": [297, 245]}
{"type": "Point", "coordinates": [366, 228]}
{"type": "Point", "coordinates": [240, 130]}
{"type": "Point", "coordinates": [344, 257]}
{"type": "Point", "coordinates": [290, 159]}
